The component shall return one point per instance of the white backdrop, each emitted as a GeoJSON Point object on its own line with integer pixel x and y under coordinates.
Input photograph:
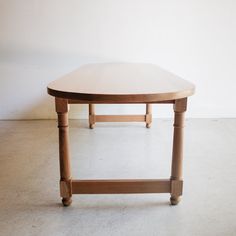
{"type": "Point", "coordinates": [41, 40]}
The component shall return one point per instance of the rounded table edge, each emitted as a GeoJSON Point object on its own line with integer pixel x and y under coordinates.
{"type": "Point", "coordinates": [121, 98]}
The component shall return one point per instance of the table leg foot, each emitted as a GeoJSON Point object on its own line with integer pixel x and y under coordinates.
{"type": "Point", "coordinates": [174, 200]}
{"type": "Point", "coordinates": [91, 126]}
{"type": "Point", "coordinates": [66, 201]}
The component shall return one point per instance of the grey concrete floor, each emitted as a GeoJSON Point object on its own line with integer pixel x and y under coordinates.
{"type": "Point", "coordinates": [29, 174]}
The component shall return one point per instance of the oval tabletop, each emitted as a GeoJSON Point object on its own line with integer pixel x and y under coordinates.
{"type": "Point", "coordinates": [120, 82]}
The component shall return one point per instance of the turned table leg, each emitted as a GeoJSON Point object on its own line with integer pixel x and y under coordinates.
{"type": "Point", "coordinates": [148, 115]}
{"type": "Point", "coordinates": [180, 107]}
{"type": "Point", "coordinates": [64, 157]}
{"type": "Point", "coordinates": [91, 116]}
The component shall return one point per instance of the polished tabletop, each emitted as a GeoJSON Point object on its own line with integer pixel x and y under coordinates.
{"type": "Point", "coordinates": [121, 82]}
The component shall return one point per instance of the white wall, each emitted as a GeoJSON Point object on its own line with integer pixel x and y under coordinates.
{"type": "Point", "coordinates": [41, 40]}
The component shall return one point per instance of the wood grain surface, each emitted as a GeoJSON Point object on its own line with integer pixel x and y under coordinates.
{"type": "Point", "coordinates": [120, 83]}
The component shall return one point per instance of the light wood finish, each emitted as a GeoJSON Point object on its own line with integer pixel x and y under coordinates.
{"type": "Point", "coordinates": [121, 83]}
{"type": "Point", "coordinates": [180, 107]}
{"type": "Point", "coordinates": [93, 118]}
{"type": "Point", "coordinates": [120, 118]}
{"type": "Point", "coordinates": [123, 186]}
{"type": "Point", "coordinates": [76, 101]}
{"type": "Point", "coordinates": [64, 156]}
{"type": "Point", "coordinates": [176, 189]}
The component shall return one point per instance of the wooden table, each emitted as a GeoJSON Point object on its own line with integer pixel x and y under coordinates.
{"type": "Point", "coordinates": [120, 83]}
